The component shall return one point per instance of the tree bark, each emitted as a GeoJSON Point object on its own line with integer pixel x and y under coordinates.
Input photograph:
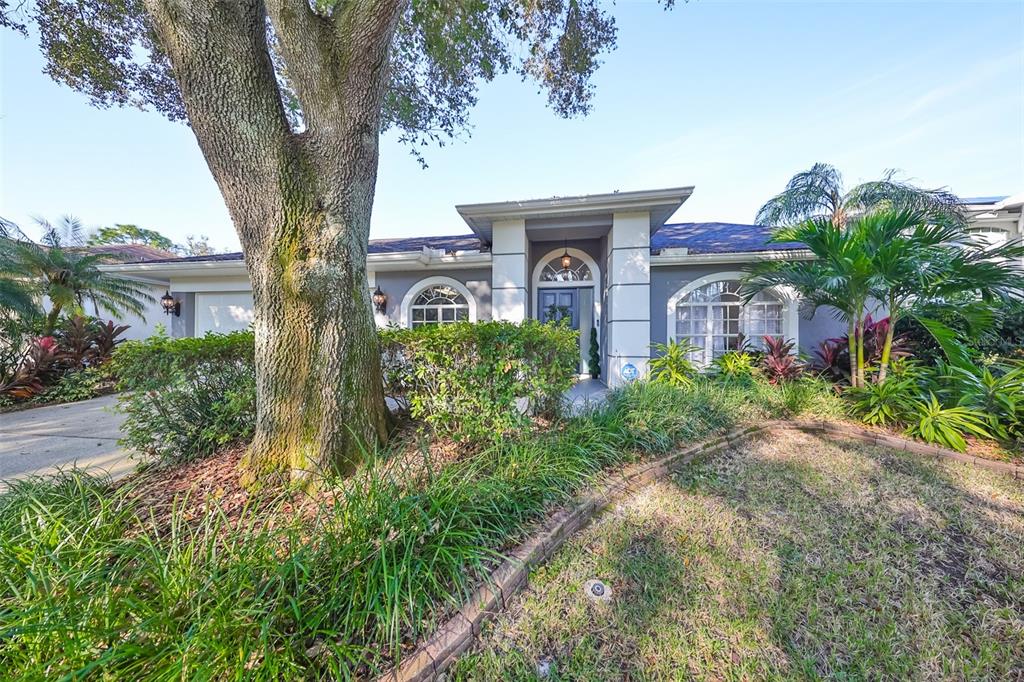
{"type": "Point", "coordinates": [301, 204]}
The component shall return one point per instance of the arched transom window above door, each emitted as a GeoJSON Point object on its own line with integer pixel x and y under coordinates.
{"type": "Point", "coordinates": [438, 300]}
{"type": "Point", "coordinates": [713, 317]}
{"type": "Point", "coordinates": [554, 270]}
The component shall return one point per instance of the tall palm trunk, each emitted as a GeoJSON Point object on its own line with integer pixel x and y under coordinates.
{"type": "Point", "coordinates": [883, 368]}
{"type": "Point", "coordinates": [860, 351]}
{"type": "Point", "coordinates": [50, 323]}
{"type": "Point", "coordinates": [851, 340]}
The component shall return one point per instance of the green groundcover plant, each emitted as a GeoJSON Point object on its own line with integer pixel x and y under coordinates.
{"type": "Point", "coordinates": [95, 587]}
{"type": "Point", "coordinates": [943, 404]}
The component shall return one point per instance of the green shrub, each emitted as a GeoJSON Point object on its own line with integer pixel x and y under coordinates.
{"type": "Point", "coordinates": [160, 359]}
{"type": "Point", "coordinates": [187, 397]}
{"type": "Point", "coordinates": [890, 402]}
{"type": "Point", "coordinates": [672, 365]}
{"type": "Point", "coordinates": [194, 415]}
{"type": "Point", "coordinates": [74, 386]}
{"type": "Point", "coordinates": [947, 426]}
{"type": "Point", "coordinates": [464, 380]}
{"type": "Point", "coordinates": [736, 365]}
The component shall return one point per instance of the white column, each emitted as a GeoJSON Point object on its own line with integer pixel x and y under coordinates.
{"type": "Point", "coordinates": [508, 270]}
{"type": "Point", "coordinates": [629, 295]}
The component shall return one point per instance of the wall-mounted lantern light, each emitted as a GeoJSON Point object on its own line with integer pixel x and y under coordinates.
{"type": "Point", "coordinates": [170, 305]}
{"type": "Point", "coordinates": [566, 258]}
{"type": "Point", "coordinates": [380, 301]}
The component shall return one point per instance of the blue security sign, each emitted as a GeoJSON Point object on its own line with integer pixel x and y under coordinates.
{"type": "Point", "coordinates": [629, 372]}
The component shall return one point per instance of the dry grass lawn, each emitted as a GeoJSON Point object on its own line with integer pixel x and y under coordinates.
{"type": "Point", "coordinates": [791, 558]}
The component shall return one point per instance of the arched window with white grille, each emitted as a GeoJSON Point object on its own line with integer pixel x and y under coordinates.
{"type": "Point", "coordinates": [711, 315]}
{"type": "Point", "coordinates": [438, 300]}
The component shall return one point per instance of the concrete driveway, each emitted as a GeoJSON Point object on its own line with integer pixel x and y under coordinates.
{"type": "Point", "coordinates": [42, 439]}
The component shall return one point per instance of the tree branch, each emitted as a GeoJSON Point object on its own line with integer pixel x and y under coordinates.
{"type": "Point", "coordinates": [218, 51]}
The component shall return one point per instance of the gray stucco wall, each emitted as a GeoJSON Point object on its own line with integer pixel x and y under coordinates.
{"type": "Point", "coordinates": [397, 284]}
{"type": "Point", "coordinates": [667, 280]}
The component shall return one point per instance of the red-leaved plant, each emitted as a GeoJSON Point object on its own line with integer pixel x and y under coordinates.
{"type": "Point", "coordinates": [834, 354]}
{"type": "Point", "coordinates": [39, 360]}
{"type": "Point", "coordinates": [779, 362]}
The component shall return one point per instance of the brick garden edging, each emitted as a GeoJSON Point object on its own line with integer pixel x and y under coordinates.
{"type": "Point", "coordinates": [461, 630]}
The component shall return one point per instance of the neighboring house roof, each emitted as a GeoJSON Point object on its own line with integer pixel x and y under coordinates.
{"type": "Point", "coordinates": [131, 253]}
{"type": "Point", "coordinates": [707, 238]}
{"type": "Point", "coordinates": [976, 201]}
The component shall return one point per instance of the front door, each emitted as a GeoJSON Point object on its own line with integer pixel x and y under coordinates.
{"type": "Point", "coordinates": [560, 304]}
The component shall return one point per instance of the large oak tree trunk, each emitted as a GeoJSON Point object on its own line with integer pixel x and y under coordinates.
{"type": "Point", "coordinates": [320, 398]}
{"type": "Point", "coordinates": [301, 205]}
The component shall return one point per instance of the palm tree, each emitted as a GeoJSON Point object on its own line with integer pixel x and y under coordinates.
{"type": "Point", "coordinates": [818, 193]}
{"type": "Point", "coordinates": [908, 261]}
{"type": "Point", "coordinates": [919, 261]}
{"type": "Point", "coordinates": [838, 275]}
{"type": "Point", "coordinates": [16, 298]}
{"type": "Point", "coordinates": [67, 275]}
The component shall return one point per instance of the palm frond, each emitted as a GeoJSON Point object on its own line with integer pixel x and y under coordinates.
{"type": "Point", "coordinates": [890, 194]}
{"type": "Point", "coordinates": [814, 193]}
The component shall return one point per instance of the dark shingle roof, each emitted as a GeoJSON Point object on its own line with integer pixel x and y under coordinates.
{"type": "Point", "coordinates": [705, 238]}
{"type": "Point", "coordinates": [697, 238]}
{"type": "Point", "coordinates": [465, 242]}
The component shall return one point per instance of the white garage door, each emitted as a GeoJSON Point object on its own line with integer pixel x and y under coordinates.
{"type": "Point", "coordinates": [223, 312]}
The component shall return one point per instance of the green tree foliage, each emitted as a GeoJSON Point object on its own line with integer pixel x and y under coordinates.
{"type": "Point", "coordinates": [110, 51]}
{"type": "Point", "coordinates": [902, 262]}
{"type": "Point", "coordinates": [59, 269]}
{"type": "Point", "coordinates": [129, 234]}
{"type": "Point", "coordinates": [818, 193]}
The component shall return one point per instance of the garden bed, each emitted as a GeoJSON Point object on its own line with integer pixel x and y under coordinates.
{"type": "Point", "coordinates": [785, 557]}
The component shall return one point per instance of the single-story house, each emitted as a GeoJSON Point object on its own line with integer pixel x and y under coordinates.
{"type": "Point", "coordinates": [608, 262]}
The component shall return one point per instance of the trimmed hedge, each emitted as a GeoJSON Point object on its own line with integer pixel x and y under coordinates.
{"type": "Point", "coordinates": [477, 382]}
{"type": "Point", "coordinates": [188, 397]}
{"type": "Point", "coordinates": [160, 359]}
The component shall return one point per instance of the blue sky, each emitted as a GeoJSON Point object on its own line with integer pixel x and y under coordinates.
{"type": "Point", "coordinates": [730, 97]}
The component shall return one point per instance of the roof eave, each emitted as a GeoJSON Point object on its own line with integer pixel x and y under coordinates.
{"type": "Point", "coordinates": [660, 203]}
{"type": "Point", "coordinates": [732, 257]}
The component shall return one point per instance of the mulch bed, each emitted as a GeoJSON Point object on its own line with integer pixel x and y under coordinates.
{"type": "Point", "coordinates": [191, 489]}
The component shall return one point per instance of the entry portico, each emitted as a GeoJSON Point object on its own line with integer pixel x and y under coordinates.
{"type": "Point", "coordinates": [586, 258]}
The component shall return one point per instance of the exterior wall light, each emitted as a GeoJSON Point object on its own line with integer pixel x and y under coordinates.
{"type": "Point", "coordinates": [566, 258]}
{"type": "Point", "coordinates": [170, 305]}
{"type": "Point", "coordinates": [380, 301]}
